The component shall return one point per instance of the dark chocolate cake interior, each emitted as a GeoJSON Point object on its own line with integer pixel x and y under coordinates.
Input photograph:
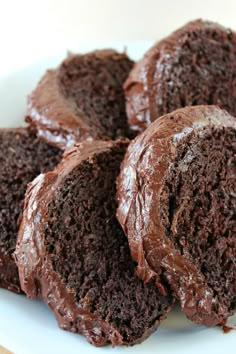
{"type": "Point", "coordinates": [93, 84]}
{"type": "Point", "coordinates": [23, 156]}
{"type": "Point", "coordinates": [89, 250]}
{"type": "Point", "coordinates": [200, 71]}
{"type": "Point", "coordinates": [199, 207]}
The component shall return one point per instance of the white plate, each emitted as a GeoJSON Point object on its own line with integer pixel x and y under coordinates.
{"type": "Point", "coordinates": [28, 327]}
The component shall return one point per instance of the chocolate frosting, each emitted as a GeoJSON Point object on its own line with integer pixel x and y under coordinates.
{"type": "Point", "coordinates": [140, 182]}
{"type": "Point", "coordinates": [144, 99]}
{"type": "Point", "coordinates": [55, 117]}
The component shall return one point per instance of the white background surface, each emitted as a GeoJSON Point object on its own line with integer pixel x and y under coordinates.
{"type": "Point", "coordinates": [31, 29]}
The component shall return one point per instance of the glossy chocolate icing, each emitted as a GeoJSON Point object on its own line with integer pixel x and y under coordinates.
{"type": "Point", "coordinates": [140, 183]}
{"type": "Point", "coordinates": [56, 117]}
{"type": "Point", "coordinates": [150, 82]}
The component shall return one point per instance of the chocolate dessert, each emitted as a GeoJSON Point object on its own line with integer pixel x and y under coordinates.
{"type": "Point", "coordinates": [73, 254]}
{"type": "Point", "coordinates": [177, 205]}
{"type": "Point", "coordinates": [22, 158]}
{"type": "Point", "coordinates": [194, 65]}
{"type": "Point", "coordinates": [82, 99]}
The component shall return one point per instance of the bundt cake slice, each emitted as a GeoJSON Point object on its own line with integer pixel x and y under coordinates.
{"type": "Point", "coordinates": [194, 65]}
{"type": "Point", "coordinates": [72, 251]}
{"type": "Point", "coordinates": [82, 99]}
{"type": "Point", "coordinates": [23, 156]}
{"type": "Point", "coordinates": [177, 205]}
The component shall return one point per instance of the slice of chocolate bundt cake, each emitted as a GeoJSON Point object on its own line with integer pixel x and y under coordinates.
{"type": "Point", "coordinates": [177, 205]}
{"type": "Point", "coordinates": [82, 99]}
{"type": "Point", "coordinates": [194, 65]}
{"type": "Point", "coordinates": [23, 156]}
{"type": "Point", "coordinates": [72, 252]}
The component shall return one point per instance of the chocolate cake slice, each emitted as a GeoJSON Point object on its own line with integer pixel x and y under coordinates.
{"type": "Point", "coordinates": [72, 251]}
{"type": "Point", "coordinates": [23, 156]}
{"type": "Point", "coordinates": [194, 65]}
{"type": "Point", "coordinates": [82, 99]}
{"type": "Point", "coordinates": [177, 205]}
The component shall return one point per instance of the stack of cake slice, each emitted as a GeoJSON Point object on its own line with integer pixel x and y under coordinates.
{"type": "Point", "coordinates": [114, 231]}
